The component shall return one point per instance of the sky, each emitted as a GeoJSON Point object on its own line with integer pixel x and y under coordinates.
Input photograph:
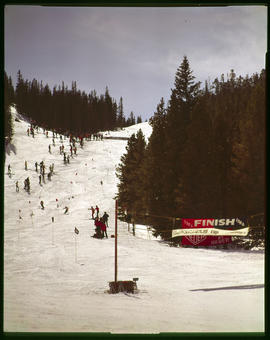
{"type": "Point", "coordinates": [135, 51]}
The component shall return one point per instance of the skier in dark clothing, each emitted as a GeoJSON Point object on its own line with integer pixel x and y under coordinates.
{"type": "Point", "coordinates": [93, 212]}
{"type": "Point", "coordinates": [42, 205]}
{"type": "Point", "coordinates": [105, 218]}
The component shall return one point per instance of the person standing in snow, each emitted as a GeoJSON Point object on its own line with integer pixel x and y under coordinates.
{"type": "Point", "coordinates": [28, 185]}
{"type": "Point", "coordinates": [9, 171]}
{"type": "Point", "coordinates": [93, 212]}
{"type": "Point", "coordinates": [25, 165]}
{"type": "Point", "coordinates": [49, 148]}
{"type": "Point", "coordinates": [39, 179]}
{"type": "Point", "coordinates": [103, 228]}
{"type": "Point", "coordinates": [66, 210]}
{"type": "Point", "coordinates": [17, 186]}
{"type": "Point", "coordinates": [36, 165]}
{"type": "Point", "coordinates": [97, 211]}
{"type": "Point", "coordinates": [97, 229]}
{"type": "Point", "coordinates": [105, 218]}
{"type": "Point", "coordinates": [42, 205]}
{"type": "Point", "coordinates": [41, 167]}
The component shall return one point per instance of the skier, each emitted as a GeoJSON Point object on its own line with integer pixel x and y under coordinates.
{"type": "Point", "coordinates": [28, 185]}
{"type": "Point", "coordinates": [9, 170]}
{"type": "Point", "coordinates": [49, 148]}
{"type": "Point", "coordinates": [17, 186]}
{"type": "Point", "coordinates": [97, 229]}
{"type": "Point", "coordinates": [39, 179]}
{"type": "Point", "coordinates": [42, 205]}
{"type": "Point", "coordinates": [105, 219]}
{"type": "Point", "coordinates": [66, 210]}
{"type": "Point", "coordinates": [93, 211]}
{"type": "Point", "coordinates": [97, 210]}
{"type": "Point", "coordinates": [25, 165]}
{"type": "Point", "coordinates": [41, 166]}
{"type": "Point", "coordinates": [103, 228]}
{"type": "Point", "coordinates": [36, 165]}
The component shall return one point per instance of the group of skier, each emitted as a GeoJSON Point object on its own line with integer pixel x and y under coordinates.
{"type": "Point", "coordinates": [101, 223]}
{"type": "Point", "coordinates": [31, 131]}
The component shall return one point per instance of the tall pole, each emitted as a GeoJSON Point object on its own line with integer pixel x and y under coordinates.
{"type": "Point", "coordinates": [115, 262]}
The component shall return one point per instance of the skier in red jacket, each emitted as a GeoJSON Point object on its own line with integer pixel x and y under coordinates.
{"type": "Point", "coordinates": [103, 228]}
{"type": "Point", "coordinates": [97, 210]}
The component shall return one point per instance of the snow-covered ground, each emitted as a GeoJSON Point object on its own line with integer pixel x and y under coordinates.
{"type": "Point", "coordinates": [57, 281]}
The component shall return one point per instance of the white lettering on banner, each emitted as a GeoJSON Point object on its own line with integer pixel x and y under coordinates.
{"type": "Point", "coordinates": [216, 222]}
{"type": "Point", "coordinates": [209, 232]}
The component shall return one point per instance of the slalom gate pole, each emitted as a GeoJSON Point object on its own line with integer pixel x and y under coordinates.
{"type": "Point", "coordinates": [115, 238]}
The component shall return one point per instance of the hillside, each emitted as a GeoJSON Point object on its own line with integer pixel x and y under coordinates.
{"type": "Point", "coordinates": [57, 281]}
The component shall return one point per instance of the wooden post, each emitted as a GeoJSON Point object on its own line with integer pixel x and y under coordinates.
{"type": "Point", "coordinates": [115, 239]}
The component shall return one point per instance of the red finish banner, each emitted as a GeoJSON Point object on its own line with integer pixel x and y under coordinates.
{"type": "Point", "coordinates": [202, 240]}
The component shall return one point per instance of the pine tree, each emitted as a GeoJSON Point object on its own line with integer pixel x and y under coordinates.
{"type": "Point", "coordinates": [129, 173]}
{"type": "Point", "coordinates": [120, 114]}
{"type": "Point", "coordinates": [139, 119]}
{"type": "Point", "coordinates": [8, 100]}
{"type": "Point", "coordinates": [154, 175]}
{"type": "Point", "coordinates": [179, 114]}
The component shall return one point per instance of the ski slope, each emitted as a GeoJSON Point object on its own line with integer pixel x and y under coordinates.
{"type": "Point", "coordinates": [57, 281]}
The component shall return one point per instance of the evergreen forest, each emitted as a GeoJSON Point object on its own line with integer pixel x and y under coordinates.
{"type": "Point", "coordinates": [64, 110]}
{"type": "Point", "coordinates": [205, 157]}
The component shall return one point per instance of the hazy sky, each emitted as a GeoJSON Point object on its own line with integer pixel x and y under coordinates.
{"type": "Point", "coordinates": [135, 51]}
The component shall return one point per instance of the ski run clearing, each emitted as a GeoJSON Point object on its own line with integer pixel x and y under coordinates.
{"type": "Point", "coordinates": [58, 281]}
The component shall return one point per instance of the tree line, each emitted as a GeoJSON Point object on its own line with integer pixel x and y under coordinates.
{"type": "Point", "coordinates": [66, 110]}
{"type": "Point", "coordinates": [9, 98]}
{"type": "Point", "coordinates": [205, 157]}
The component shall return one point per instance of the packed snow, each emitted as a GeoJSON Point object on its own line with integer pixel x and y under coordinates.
{"type": "Point", "coordinates": [57, 281]}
